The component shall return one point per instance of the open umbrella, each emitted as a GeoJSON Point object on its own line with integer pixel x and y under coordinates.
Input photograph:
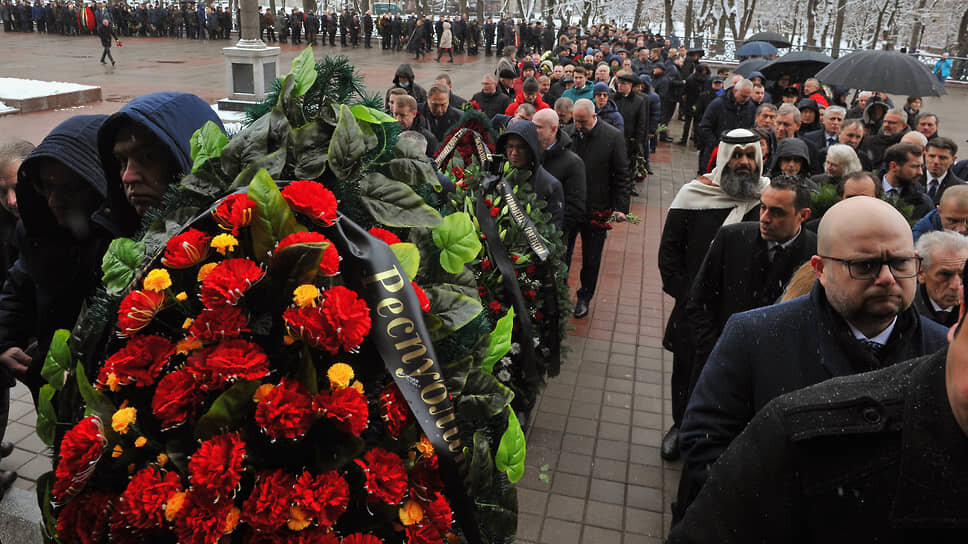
{"type": "Point", "coordinates": [884, 71]}
{"type": "Point", "coordinates": [756, 49]}
{"type": "Point", "coordinates": [749, 66]}
{"type": "Point", "coordinates": [770, 37]}
{"type": "Point", "coordinates": [798, 64]}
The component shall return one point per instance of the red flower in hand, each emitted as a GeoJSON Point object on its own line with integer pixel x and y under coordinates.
{"type": "Point", "coordinates": [388, 237]}
{"type": "Point", "coordinates": [234, 212]}
{"type": "Point", "coordinates": [85, 518]}
{"type": "Point", "coordinates": [311, 199]}
{"type": "Point", "coordinates": [140, 506]}
{"type": "Point", "coordinates": [215, 469]}
{"type": "Point", "coordinates": [325, 496]}
{"type": "Point", "coordinates": [329, 264]}
{"type": "Point", "coordinates": [267, 508]}
{"type": "Point", "coordinates": [394, 410]}
{"type": "Point", "coordinates": [347, 408]}
{"type": "Point", "coordinates": [386, 479]}
{"type": "Point", "coordinates": [139, 362]}
{"type": "Point", "coordinates": [228, 281]}
{"type": "Point", "coordinates": [287, 411]}
{"type": "Point", "coordinates": [422, 297]}
{"type": "Point", "coordinates": [187, 249]}
{"type": "Point", "coordinates": [137, 310]}
{"type": "Point", "coordinates": [218, 323]}
{"type": "Point", "coordinates": [80, 450]}
{"type": "Point", "coordinates": [177, 396]}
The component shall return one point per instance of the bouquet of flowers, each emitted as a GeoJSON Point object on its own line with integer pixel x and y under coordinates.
{"type": "Point", "coordinates": [263, 368]}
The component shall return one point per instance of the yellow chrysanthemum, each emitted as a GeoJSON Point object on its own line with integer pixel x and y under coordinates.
{"type": "Point", "coordinates": [140, 442]}
{"type": "Point", "coordinates": [340, 375]}
{"type": "Point", "coordinates": [205, 269]}
{"type": "Point", "coordinates": [358, 385]}
{"type": "Point", "coordinates": [162, 459]}
{"type": "Point", "coordinates": [174, 505]}
{"type": "Point", "coordinates": [187, 324]}
{"type": "Point", "coordinates": [224, 243]}
{"type": "Point", "coordinates": [187, 345]}
{"type": "Point", "coordinates": [113, 382]}
{"type": "Point", "coordinates": [424, 446]}
{"type": "Point", "coordinates": [261, 392]}
{"type": "Point", "coordinates": [232, 520]}
{"type": "Point", "coordinates": [411, 513]}
{"type": "Point", "coordinates": [288, 340]}
{"type": "Point", "coordinates": [305, 295]}
{"type": "Point", "coordinates": [182, 297]}
{"type": "Point", "coordinates": [157, 280]}
{"type": "Point", "coordinates": [117, 451]}
{"type": "Point", "coordinates": [299, 519]}
{"type": "Point", "coordinates": [123, 418]}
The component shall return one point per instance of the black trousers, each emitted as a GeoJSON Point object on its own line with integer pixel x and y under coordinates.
{"type": "Point", "coordinates": [592, 245]}
{"type": "Point", "coordinates": [107, 53]}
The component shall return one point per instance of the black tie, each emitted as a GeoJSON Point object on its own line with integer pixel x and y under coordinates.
{"type": "Point", "coordinates": [831, 141]}
{"type": "Point", "coordinates": [777, 253]}
{"type": "Point", "coordinates": [874, 347]}
{"type": "Point", "coordinates": [932, 187]}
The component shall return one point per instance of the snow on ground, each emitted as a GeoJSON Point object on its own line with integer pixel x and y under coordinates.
{"type": "Point", "coordinates": [22, 89]}
{"type": "Point", "coordinates": [6, 109]}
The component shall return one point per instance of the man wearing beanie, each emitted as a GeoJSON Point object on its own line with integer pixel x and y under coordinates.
{"type": "Point", "coordinates": [605, 107]}
{"type": "Point", "coordinates": [529, 95]}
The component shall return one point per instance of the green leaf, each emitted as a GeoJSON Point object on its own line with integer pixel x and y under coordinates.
{"type": "Point", "coordinates": [162, 230]}
{"type": "Point", "coordinates": [264, 136]}
{"type": "Point", "coordinates": [408, 256]}
{"type": "Point", "coordinates": [207, 142]}
{"type": "Point", "coordinates": [206, 180]}
{"type": "Point", "coordinates": [483, 396]}
{"type": "Point", "coordinates": [297, 263]}
{"type": "Point", "coordinates": [45, 500]}
{"type": "Point", "coordinates": [309, 143]}
{"type": "Point", "coordinates": [500, 341]}
{"type": "Point", "coordinates": [410, 149]}
{"type": "Point", "coordinates": [413, 171]}
{"type": "Point", "coordinates": [46, 415]}
{"type": "Point", "coordinates": [458, 241]}
{"type": "Point", "coordinates": [58, 361]}
{"type": "Point", "coordinates": [454, 309]}
{"type": "Point", "coordinates": [481, 470]}
{"type": "Point", "coordinates": [272, 220]}
{"type": "Point", "coordinates": [370, 115]}
{"type": "Point", "coordinates": [455, 373]}
{"type": "Point", "coordinates": [120, 262]}
{"type": "Point", "coordinates": [512, 449]}
{"type": "Point", "coordinates": [462, 289]}
{"type": "Point", "coordinates": [96, 402]}
{"type": "Point", "coordinates": [229, 411]}
{"type": "Point", "coordinates": [395, 204]}
{"type": "Point", "coordinates": [347, 146]}
{"type": "Point", "coordinates": [304, 71]}
{"type": "Point", "coordinates": [306, 371]}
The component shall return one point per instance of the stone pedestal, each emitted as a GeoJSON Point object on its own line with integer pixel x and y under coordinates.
{"type": "Point", "coordinates": [250, 68]}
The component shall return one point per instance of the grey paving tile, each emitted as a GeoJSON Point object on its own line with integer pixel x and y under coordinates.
{"type": "Point", "coordinates": [556, 531]}
{"type": "Point", "coordinates": [539, 456]}
{"type": "Point", "coordinates": [18, 409]}
{"type": "Point", "coordinates": [32, 443]}
{"type": "Point", "coordinates": [16, 459]}
{"type": "Point", "coordinates": [657, 353]}
{"type": "Point", "coordinates": [595, 356]}
{"type": "Point", "coordinates": [619, 385]}
{"type": "Point", "coordinates": [612, 449]}
{"type": "Point", "coordinates": [586, 410]}
{"type": "Point", "coordinates": [649, 420]}
{"type": "Point", "coordinates": [602, 514]}
{"type": "Point", "coordinates": [572, 485]}
{"type": "Point", "coordinates": [544, 438]}
{"type": "Point", "coordinates": [648, 389]}
{"type": "Point", "coordinates": [567, 376]}
{"type": "Point", "coordinates": [632, 538]}
{"type": "Point", "coordinates": [623, 400]}
{"type": "Point", "coordinates": [591, 381]}
{"type": "Point", "coordinates": [550, 421]}
{"type": "Point", "coordinates": [622, 359]}
{"type": "Point", "coordinates": [625, 349]}
{"type": "Point", "coordinates": [582, 426]}
{"type": "Point", "coordinates": [649, 376]}
{"type": "Point", "coordinates": [609, 469]}
{"type": "Point", "coordinates": [531, 501]}
{"type": "Point", "coordinates": [648, 403]}
{"type": "Point", "coordinates": [621, 371]}
{"type": "Point", "coordinates": [529, 526]}
{"type": "Point", "coordinates": [575, 463]}
{"type": "Point", "coordinates": [576, 443]}
{"type": "Point", "coordinates": [647, 437]}
{"type": "Point", "coordinates": [607, 491]}
{"type": "Point", "coordinates": [645, 455]}
{"type": "Point", "coordinates": [29, 419]}
{"type": "Point", "coordinates": [646, 498]}
{"type": "Point", "coordinates": [17, 431]}
{"type": "Point", "coordinates": [554, 406]}
{"type": "Point", "coordinates": [613, 431]}
{"type": "Point", "coordinates": [587, 394]}
{"type": "Point", "coordinates": [616, 414]}
{"type": "Point", "coordinates": [26, 485]}
{"type": "Point", "coordinates": [598, 535]}
{"type": "Point", "coordinates": [648, 363]}
{"type": "Point", "coordinates": [646, 475]}
{"type": "Point", "coordinates": [598, 345]}
{"type": "Point", "coordinates": [34, 468]}
{"type": "Point", "coordinates": [643, 522]}
{"type": "Point", "coordinates": [592, 368]}
{"type": "Point", "coordinates": [565, 507]}
{"type": "Point", "coordinates": [559, 390]}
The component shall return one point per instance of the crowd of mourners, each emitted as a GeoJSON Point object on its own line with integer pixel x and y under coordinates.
{"type": "Point", "coordinates": [823, 240]}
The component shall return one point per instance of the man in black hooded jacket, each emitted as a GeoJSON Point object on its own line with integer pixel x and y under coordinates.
{"type": "Point", "coordinates": [519, 143]}
{"type": "Point", "coordinates": [404, 80]}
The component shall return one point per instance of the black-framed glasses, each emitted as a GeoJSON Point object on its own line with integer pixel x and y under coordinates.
{"type": "Point", "coordinates": [868, 269]}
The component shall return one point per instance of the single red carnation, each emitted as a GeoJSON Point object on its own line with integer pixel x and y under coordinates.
{"type": "Point", "coordinates": [302, 237]}
{"type": "Point", "coordinates": [234, 212]}
{"type": "Point", "coordinates": [139, 362]}
{"type": "Point", "coordinates": [329, 263]}
{"type": "Point", "coordinates": [348, 316]}
{"type": "Point", "coordinates": [360, 538]}
{"type": "Point", "coordinates": [494, 306]}
{"type": "Point", "coordinates": [386, 236]}
{"type": "Point", "coordinates": [439, 513]}
{"type": "Point", "coordinates": [80, 450]}
{"type": "Point", "coordinates": [325, 496]}
{"type": "Point", "coordinates": [231, 360]}
{"type": "Point", "coordinates": [85, 519]}
{"type": "Point", "coordinates": [422, 297]}
{"type": "Point", "coordinates": [424, 532]}
{"type": "Point", "coordinates": [482, 291]}
{"type": "Point", "coordinates": [311, 199]}
{"type": "Point", "coordinates": [346, 407]}
{"type": "Point", "coordinates": [137, 310]}
{"type": "Point", "coordinates": [215, 469]}
{"type": "Point", "coordinates": [176, 399]}
{"type": "Point", "coordinates": [187, 249]}
{"type": "Point", "coordinates": [310, 325]}
{"type": "Point", "coordinates": [218, 323]}
{"type": "Point", "coordinates": [394, 410]}
{"type": "Point", "coordinates": [495, 211]}
{"type": "Point", "coordinates": [485, 264]}
{"type": "Point", "coordinates": [141, 504]}
{"type": "Point", "coordinates": [287, 411]}
{"type": "Point", "coordinates": [201, 520]}
{"type": "Point", "coordinates": [267, 507]}
{"type": "Point", "coordinates": [228, 281]}
{"type": "Point", "coordinates": [425, 482]}
{"type": "Point", "coordinates": [309, 535]}
{"type": "Point", "coordinates": [386, 479]}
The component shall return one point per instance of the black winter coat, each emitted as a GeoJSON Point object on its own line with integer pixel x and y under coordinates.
{"type": "Point", "coordinates": [562, 163]}
{"type": "Point", "coordinates": [546, 187]}
{"type": "Point", "coordinates": [439, 126]}
{"type": "Point", "coordinates": [723, 115]}
{"type": "Point", "coordinates": [602, 149]}
{"type": "Point", "coordinates": [492, 104]}
{"type": "Point", "coordinates": [635, 113]}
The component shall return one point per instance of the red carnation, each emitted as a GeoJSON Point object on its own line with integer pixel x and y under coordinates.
{"type": "Point", "coordinates": [329, 263]}
{"type": "Point", "coordinates": [386, 479]}
{"type": "Point", "coordinates": [530, 294]}
{"type": "Point", "coordinates": [139, 362]}
{"type": "Point", "coordinates": [201, 520]}
{"type": "Point", "coordinates": [422, 297]}
{"type": "Point", "coordinates": [267, 507]}
{"type": "Point", "coordinates": [137, 310]}
{"type": "Point", "coordinates": [485, 264]}
{"type": "Point", "coordinates": [530, 269]}
{"type": "Point", "coordinates": [495, 211]}
{"type": "Point", "coordinates": [80, 450]}
{"type": "Point", "coordinates": [311, 199]}
{"type": "Point", "coordinates": [141, 504]}
{"type": "Point", "coordinates": [360, 538]}
{"type": "Point", "coordinates": [423, 533]}
{"type": "Point", "coordinates": [346, 407]}
{"type": "Point", "coordinates": [187, 249]}
{"type": "Point", "coordinates": [177, 396]}
{"type": "Point", "coordinates": [220, 322]}
{"type": "Point", "coordinates": [475, 105]}
{"type": "Point", "coordinates": [234, 359]}
{"type": "Point", "coordinates": [394, 410]}
{"type": "Point", "coordinates": [85, 519]}
{"type": "Point", "coordinates": [495, 306]}
{"type": "Point", "coordinates": [439, 513]}
{"type": "Point", "coordinates": [234, 212]}
{"type": "Point", "coordinates": [425, 482]}
{"type": "Point", "coordinates": [302, 237]}
{"type": "Point", "coordinates": [348, 316]}
{"type": "Point", "coordinates": [287, 411]}
{"type": "Point", "coordinates": [482, 291]}
{"type": "Point", "coordinates": [325, 496]}
{"type": "Point", "coordinates": [310, 325]}
{"type": "Point", "coordinates": [228, 281]}
{"type": "Point", "coordinates": [216, 467]}
{"type": "Point", "coordinates": [383, 234]}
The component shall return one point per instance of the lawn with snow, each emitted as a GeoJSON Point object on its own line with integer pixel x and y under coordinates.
{"type": "Point", "coordinates": [22, 89]}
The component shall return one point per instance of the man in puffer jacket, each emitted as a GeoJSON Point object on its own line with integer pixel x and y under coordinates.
{"type": "Point", "coordinates": [605, 107]}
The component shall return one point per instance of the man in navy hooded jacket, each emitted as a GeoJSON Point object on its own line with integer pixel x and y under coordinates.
{"type": "Point", "coordinates": [519, 143]}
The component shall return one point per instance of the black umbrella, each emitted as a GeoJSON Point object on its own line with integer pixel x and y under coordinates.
{"type": "Point", "coordinates": [772, 37]}
{"type": "Point", "coordinates": [749, 66]}
{"type": "Point", "coordinates": [798, 64]}
{"type": "Point", "coordinates": [883, 71]}
{"type": "Point", "coordinates": [757, 49]}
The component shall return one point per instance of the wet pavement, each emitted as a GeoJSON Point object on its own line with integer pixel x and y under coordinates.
{"type": "Point", "coordinates": [594, 474]}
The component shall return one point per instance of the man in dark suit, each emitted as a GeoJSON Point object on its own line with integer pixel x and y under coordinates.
{"type": "Point", "coordinates": [943, 255]}
{"type": "Point", "coordinates": [939, 155]}
{"type": "Point", "coordinates": [749, 263]}
{"type": "Point", "coordinates": [857, 318]}
{"type": "Point", "coordinates": [826, 136]}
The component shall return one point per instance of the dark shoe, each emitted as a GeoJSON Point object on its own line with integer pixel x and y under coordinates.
{"type": "Point", "coordinates": [7, 478]}
{"type": "Point", "coordinates": [6, 448]}
{"type": "Point", "coordinates": [665, 139]}
{"type": "Point", "coordinates": [649, 170]}
{"type": "Point", "coordinates": [635, 193]}
{"type": "Point", "coordinates": [581, 308]}
{"type": "Point", "coordinates": [670, 445]}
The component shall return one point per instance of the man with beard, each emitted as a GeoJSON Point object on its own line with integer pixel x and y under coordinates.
{"type": "Point", "coordinates": [902, 169]}
{"type": "Point", "coordinates": [730, 110]}
{"type": "Point", "coordinates": [893, 128]}
{"type": "Point", "coordinates": [857, 318]}
{"type": "Point", "coordinates": [728, 195]}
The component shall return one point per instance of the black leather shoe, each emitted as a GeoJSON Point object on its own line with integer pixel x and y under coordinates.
{"type": "Point", "coordinates": [581, 308]}
{"type": "Point", "coordinates": [665, 139]}
{"type": "Point", "coordinates": [7, 478]}
{"type": "Point", "coordinates": [6, 448]}
{"type": "Point", "coordinates": [670, 445]}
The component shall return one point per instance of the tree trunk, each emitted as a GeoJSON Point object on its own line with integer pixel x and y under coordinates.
{"type": "Point", "coordinates": [669, 6]}
{"type": "Point", "coordinates": [690, 17]}
{"type": "Point", "coordinates": [878, 26]}
{"type": "Point", "coordinates": [811, 22]}
{"type": "Point", "coordinates": [838, 28]}
{"type": "Point", "coordinates": [480, 14]}
{"type": "Point", "coordinates": [749, 9]}
{"type": "Point", "coordinates": [637, 20]}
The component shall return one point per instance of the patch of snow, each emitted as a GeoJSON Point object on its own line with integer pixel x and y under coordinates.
{"type": "Point", "coordinates": [22, 89]}
{"type": "Point", "coordinates": [6, 109]}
